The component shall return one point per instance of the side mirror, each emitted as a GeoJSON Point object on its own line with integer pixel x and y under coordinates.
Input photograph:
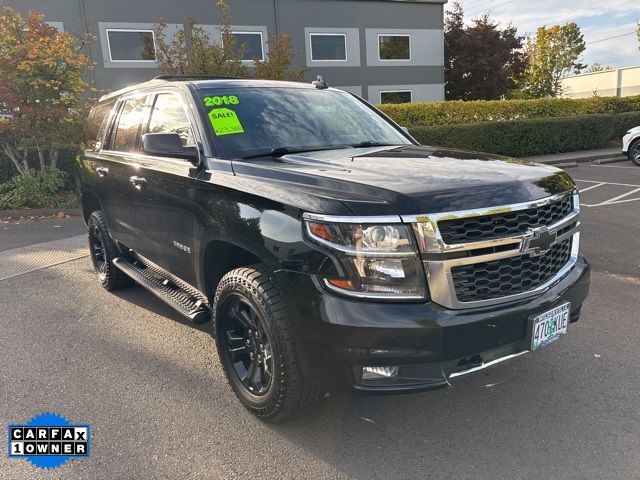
{"type": "Point", "coordinates": [168, 145]}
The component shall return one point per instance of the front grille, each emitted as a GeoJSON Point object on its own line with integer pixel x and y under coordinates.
{"type": "Point", "coordinates": [509, 276]}
{"type": "Point", "coordinates": [500, 225]}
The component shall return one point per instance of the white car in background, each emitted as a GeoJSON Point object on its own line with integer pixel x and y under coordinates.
{"type": "Point", "coordinates": [631, 145]}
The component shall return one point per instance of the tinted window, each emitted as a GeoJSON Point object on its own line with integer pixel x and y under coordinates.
{"type": "Point", "coordinates": [96, 123]}
{"type": "Point", "coordinates": [131, 45]}
{"type": "Point", "coordinates": [395, 97]}
{"type": "Point", "coordinates": [169, 116]}
{"type": "Point", "coordinates": [328, 47]}
{"type": "Point", "coordinates": [246, 121]}
{"type": "Point", "coordinates": [127, 133]}
{"type": "Point", "coordinates": [249, 45]}
{"type": "Point", "coordinates": [394, 47]}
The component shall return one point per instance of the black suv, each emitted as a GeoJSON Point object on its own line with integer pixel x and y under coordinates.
{"type": "Point", "coordinates": [330, 249]}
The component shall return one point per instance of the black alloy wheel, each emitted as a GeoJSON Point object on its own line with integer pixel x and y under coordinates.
{"type": "Point", "coordinates": [103, 252]}
{"type": "Point", "coordinates": [247, 345]}
{"type": "Point", "coordinates": [97, 249]}
{"type": "Point", "coordinates": [256, 343]}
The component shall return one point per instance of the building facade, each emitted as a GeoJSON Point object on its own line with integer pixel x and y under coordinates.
{"type": "Point", "coordinates": [383, 50]}
{"type": "Point", "coordinates": [619, 82]}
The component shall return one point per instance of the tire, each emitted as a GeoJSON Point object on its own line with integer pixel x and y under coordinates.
{"type": "Point", "coordinates": [634, 152]}
{"type": "Point", "coordinates": [103, 251]}
{"type": "Point", "coordinates": [251, 318]}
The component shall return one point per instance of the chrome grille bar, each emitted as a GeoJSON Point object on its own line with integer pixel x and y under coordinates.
{"type": "Point", "coordinates": [440, 262]}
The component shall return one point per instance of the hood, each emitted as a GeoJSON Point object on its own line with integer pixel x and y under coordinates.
{"type": "Point", "coordinates": [408, 179]}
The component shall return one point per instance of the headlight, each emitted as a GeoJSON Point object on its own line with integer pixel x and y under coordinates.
{"type": "Point", "coordinates": [379, 261]}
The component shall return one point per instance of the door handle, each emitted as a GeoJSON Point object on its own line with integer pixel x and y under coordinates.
{"type": "Point", "coordinates": [102, 171]}
{"type": "Point", "coordinates": [137, 182]}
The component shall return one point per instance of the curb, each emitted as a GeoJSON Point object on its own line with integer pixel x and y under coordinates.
{"type": "Point", "coordinates": [40, 212]}
{"type": "Point", "coordinates": [597, 159]}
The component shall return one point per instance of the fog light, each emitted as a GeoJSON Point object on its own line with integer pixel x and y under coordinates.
{"type": "Point", "coordinates": [376, 373]}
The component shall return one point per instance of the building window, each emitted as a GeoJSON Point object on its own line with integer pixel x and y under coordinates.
{"type": "Point", "coordinates": [394, 47]}
{"type": "Point", "coordinates": [398, 96]}
{"type": "Point", "coordinates": [57, 25]}
{"type": "Point", "coordinates": [131, 45]}
{"type": "Point", "coordinates": [328, 47]}
{"type": "Point", "coordinates": [250, 45]}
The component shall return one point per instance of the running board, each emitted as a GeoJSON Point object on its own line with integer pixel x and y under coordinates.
{"type": "Point", "coordinates": [195, 310]}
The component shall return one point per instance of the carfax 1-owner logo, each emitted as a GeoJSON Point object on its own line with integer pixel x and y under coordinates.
{"type": "Point", "coordinates": [49, 440]}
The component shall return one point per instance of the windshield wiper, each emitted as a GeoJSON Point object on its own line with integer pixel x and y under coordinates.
{"type": "Point", "coordinates": [370, 143]}
{"type": "Point", "coordinates": [280, 151]}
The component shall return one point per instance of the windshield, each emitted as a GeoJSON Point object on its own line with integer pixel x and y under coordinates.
{"type": "Point", "coordinates": [251, 121]}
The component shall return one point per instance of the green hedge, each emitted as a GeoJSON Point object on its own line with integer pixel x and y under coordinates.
{"type": "Point", "coordinates": [458, 112]}
{"type": "Point", "coordinates": [521, 138]}
{"type": "Point", "coordinates": [624, 122]}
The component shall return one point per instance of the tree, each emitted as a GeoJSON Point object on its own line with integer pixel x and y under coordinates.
{"type": "Point", "coordinates": [597, 67]}
{"type": "Point", "coordinates": [482, 60]}
{"type": "Point", "coordinates": [194, 52]}
{"type": "Point", "coordinates": [277, 65]}
{"type": "Point", "coordinates": [554, 53]}
{"type": "Point", "coordinates": [42, 89]}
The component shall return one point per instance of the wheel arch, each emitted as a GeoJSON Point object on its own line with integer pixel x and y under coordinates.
{"type": "Point", "coordinates": [220, 257]}
{"type": "Point", "coordinates": [90, 203]}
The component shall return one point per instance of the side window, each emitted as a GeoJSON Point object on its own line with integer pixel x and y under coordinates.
{"type": "Point", "coordinates": [169, 116]}
{"type": "Point", "coordinates": [127, 133]}
{"type": "Point", "coordinates": [96, 124]}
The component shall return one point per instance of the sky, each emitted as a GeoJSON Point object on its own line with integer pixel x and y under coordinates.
{"type": "Point", "coordinates": [598, 21]}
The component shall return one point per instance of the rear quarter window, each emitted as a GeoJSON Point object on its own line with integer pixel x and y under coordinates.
{"type": "Point", "coordinates": [96, 124]}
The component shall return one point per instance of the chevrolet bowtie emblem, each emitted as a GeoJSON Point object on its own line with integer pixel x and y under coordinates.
{"type": "Point", "coordinates": [538, 241]}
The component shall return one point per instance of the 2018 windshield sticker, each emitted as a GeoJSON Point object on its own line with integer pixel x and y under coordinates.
{"type": "Point", "coordinates": [225, 122]}
{"type": "Point", "coordinates": [221, 100]}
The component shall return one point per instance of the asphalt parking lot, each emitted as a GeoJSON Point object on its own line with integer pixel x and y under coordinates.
{"type": "Point", "coordinates": [150, 385]}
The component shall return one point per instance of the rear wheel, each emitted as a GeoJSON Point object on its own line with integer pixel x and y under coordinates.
{"type": "Point", "coordinates": [634, 152]}
{"type": "Point", "coordinates": [254, 337]}
{"type": "Point", "coordinates": [103, 251]}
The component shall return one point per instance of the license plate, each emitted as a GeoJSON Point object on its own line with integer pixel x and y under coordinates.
{"type": "Point", "coordinates": [550, 326]}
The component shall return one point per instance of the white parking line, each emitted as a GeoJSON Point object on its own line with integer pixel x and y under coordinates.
{"type": "Point", "coordinates": [582, 190]}
{"type": "Point", "coordinates": [613, 166]}
{"type": "Point", "coordinates": [608, 183]}
{"type": "Point", "coordinates": [612, 201]}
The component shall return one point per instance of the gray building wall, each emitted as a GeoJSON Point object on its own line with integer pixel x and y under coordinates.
{"type": "Point", "coordinates": [360, 20]}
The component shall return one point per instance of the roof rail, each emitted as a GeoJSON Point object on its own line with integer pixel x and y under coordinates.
{"type": "Point", "coordinates": [179, 78]}
{"type": "Point", "coordinates": [167, 78]}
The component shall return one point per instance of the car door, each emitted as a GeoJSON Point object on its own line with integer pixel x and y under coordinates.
{"type": "Point", "coordinates": [95, 166]}
{"type": "Point", "coordinates": [118, 159]}
{"type": "Point", "coordinates": [163, 218]}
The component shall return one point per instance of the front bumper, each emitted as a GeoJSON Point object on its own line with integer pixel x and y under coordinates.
{"type": "Point", "coordinates": [626, 142]}
{"type": "Point", "coordinates": [431, 344]}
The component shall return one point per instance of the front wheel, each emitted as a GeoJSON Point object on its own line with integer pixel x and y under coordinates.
{"type": "Point", "coordinates": [255, 342]}
{"type": "Point", "coordinates": [634, 152]}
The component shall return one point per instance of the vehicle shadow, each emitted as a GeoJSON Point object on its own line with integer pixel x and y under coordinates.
{"type": "Point", "coordinates": [484, 427]}
{"type": "Point", "coordinates": [552, 414]}
{"type": "Point", "coordinates": [139, 296]}
{"type": "Point", "coordinates": [493, 424]}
